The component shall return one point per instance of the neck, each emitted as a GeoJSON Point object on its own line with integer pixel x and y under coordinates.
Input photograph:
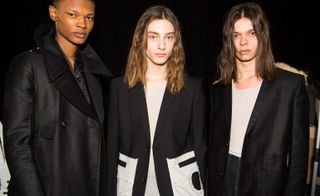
{"type": "Point", "coordinates": [156, 73]}
{"type": "Point", "coordinates": [247, 76]}
{"type": "Point", "coordinates": [69, 50]}
{"type": "Point", "coordinates": [246, 69]}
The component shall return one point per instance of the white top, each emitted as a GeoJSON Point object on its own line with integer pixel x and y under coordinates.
{"type": "Point", "coordinates": [154, 96]}
{"type": "Point", "coordinates": [243, 101]}
{"type": "Point", "coordinates": [4, 171]}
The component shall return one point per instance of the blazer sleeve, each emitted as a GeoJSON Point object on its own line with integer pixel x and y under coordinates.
{"type": "Point", "coordinates": [199, 129]}
{"type": "Point", "coordinates": [298, 164]}
{"type": "Point", "coordinates": [18, 127]}
{"type": "Point", "coordinates": [112, 142]}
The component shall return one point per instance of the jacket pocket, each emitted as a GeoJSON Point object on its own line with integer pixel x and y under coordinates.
{"type": "Point", "coordinates": [126, 173]}
{"type": "Point", "coordinates": [184, 175]}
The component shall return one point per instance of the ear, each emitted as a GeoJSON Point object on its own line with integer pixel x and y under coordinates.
{"type": "Point", "coordinates": [53, 13]}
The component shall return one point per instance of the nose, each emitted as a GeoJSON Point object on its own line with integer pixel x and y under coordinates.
{"type": "Point", "coordinates": [161, 44]}
{"type": "Point", "coordinates": [82, 23]}
{"type": "Point", "coordinates": [243, 41]}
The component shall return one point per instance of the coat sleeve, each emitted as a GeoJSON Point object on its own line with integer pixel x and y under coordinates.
{"type": "Point", "coordinates": [298, 163]}
{"type": "Point", "coordinates": [112, 142]}
{"type": "Point", "coordinates": [18, 124]}
{"type": "Point", "coordinates": [199, 129]}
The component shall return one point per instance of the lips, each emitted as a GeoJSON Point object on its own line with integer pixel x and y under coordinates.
{"type": "Point", "coordinates": [244, 52]}
{"type": "Point", "coordinates": [80, 34]}
{"type": "Point", "coordinates": [160, 55]}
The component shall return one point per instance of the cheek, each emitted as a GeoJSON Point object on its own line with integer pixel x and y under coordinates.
{"type": "Point", "coordinates": [152, 46]}
{"type": "Point", "coordinates": [170, 46]}
{"type": "Point", "coordinates": [90, 26]}
{"type": "Point", "coordinates": [236, 45]}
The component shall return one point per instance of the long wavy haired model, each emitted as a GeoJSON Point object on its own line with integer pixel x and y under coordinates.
{"type": "Point", "coordinates": [265, 67]}
{"type": "Point", "coordinates": [137, 60]}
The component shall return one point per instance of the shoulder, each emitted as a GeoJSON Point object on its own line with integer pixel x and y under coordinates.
{"type": "Point", "coordinates": [118, 84]}
{"type": "Point", "coordinates": [193, 82]}
{"type": "Point", "coordinates": [218, 85]}
{"type": "Point", "coordinates": [284, 76]}
{"type": "Point", "coordinates": [116, 81]}
{"type": "Point", "coordinates": [23, 62]}
{"type": "Point", "coordinates": [25, 57]}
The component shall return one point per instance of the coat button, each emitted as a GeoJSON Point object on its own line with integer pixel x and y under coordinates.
{"type": "Point", "coordinates": [63, 124]}
{"type": "Point", "coordinates": [143, 180]}
{"type": "Point", "coordinates": [147, 149]}
{"type": "Point", "coordinates": [220, 173]}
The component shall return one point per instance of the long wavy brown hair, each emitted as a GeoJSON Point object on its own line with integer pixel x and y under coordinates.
{"type": "Point", "coordinates": [265, 67]}
{"type": "Point", "coordinates": [137, 61]}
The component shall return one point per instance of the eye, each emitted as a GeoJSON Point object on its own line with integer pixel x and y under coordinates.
{"type": "Point", "coordinates": [152, 37]}
{"type": "Point", "coordinates": [90, 18]}
{"type": "Point", "coordinates": [72, 15]}
{"type": "Point", "coordinates": [252, 33]}
{"type": "Point", "coordinates": [170, 37]}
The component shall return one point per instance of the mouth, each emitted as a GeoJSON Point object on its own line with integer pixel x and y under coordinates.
{"type": "Point", "coordinates": [244, 52]}
{"type": "Point", "coordinates": [160, 55]}
{"type": "Point", "coordinates": [80, 34]}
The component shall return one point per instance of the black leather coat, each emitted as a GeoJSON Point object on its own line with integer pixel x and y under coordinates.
{"type": "Point", "coordinates": [53, 136]}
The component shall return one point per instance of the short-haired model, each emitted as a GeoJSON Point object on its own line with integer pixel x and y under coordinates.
{"type": "Point", "coordinates": [53, 109]}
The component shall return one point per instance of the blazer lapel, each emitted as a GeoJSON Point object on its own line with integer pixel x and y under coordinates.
{"type": "Point", "coordinates": [164, 111]}
{"type": "Point", "coordinates": [260, 104]}
{"type": "Point", "coordinates": [140, 101]}
{"type": "Point", "coordinates": [228, 104]}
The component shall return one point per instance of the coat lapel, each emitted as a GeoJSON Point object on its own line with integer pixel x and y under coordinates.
{"type": "Point", "coordinates": [259, 105]}
{"type": "Point", "coordinates": [69, 88]}
{"type": "Point", "coordinates": [140, 101]}
{"type": "Point", "coordinates": [61, 77]}
{"type": "Point", "coordinates": [96, 94]}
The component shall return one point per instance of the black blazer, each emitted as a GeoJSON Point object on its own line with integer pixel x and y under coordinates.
{"type": "Point", "coordinates": [180, 140]}
{"type": "Point", "coordinates": [275, 149]}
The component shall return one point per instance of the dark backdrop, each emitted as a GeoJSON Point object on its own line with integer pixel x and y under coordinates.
{"type": "Point", "coordinates": [293, 25]}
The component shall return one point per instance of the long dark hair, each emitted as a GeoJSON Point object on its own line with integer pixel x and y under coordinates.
{"type": "Point", "coordinates": [265, 68]}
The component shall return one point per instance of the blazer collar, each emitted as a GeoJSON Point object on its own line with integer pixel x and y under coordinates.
{"type": "Point", "coordinates": [257, 109]}
{"type": "Point", "coordinates": [228, 102]}
{"type": "Point", "coordinates": [260, 104]}
{"type": "Point", "coordinates": [140, 99]}
{"type": "Point", "coordinates": [164, 111]}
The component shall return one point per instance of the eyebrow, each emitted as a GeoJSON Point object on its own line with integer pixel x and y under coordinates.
{"type": "Point", "coordinates": [75, 11]}
{"type": "Point", "coordinates": [250, 30]}
{"type": "Point", "coordinates": [153, 32]}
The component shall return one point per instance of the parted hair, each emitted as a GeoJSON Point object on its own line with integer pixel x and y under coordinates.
{"type": "Point", "coordinates": [137, 61]}
{"type": "Point", "coordinates": [265, 67]}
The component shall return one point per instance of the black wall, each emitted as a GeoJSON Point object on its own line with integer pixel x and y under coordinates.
{"type": "Point", "coordinates": [293, 31]}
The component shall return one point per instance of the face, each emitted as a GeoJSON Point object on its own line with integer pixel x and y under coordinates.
{"type": "Point", "coordinates": [161, 39]}
{"type": "Point", "coordinates": [73, 19]}
{"type": "Point", "coordinates": [245, 40]}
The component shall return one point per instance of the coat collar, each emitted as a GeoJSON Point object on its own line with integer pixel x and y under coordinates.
{"type": "Point", "coordinates": [59, 73]}
{"type": "Point", "coordinates": [57, 64]}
